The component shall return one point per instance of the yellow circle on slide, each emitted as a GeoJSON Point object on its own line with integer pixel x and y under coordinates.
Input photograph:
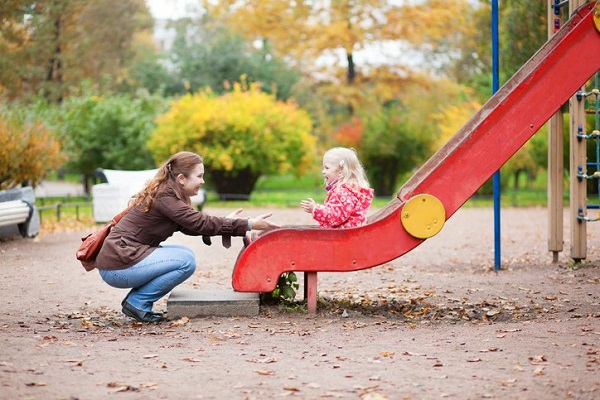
{"type": "Point", "coordinates": [423, 216]}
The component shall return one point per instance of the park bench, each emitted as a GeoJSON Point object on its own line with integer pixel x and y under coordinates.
{"type": "Point", "coordinates": [117, 187]}
{"type": "Point", "coordinates": [18, 213]}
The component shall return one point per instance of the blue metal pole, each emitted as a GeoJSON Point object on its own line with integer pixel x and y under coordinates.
{"type": "Point", "coordinates": [496, 181]}
{"type": "Point", "coordinates": [597, 127]}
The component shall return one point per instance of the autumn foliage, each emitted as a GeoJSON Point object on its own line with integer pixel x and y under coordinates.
{"type": "Point", "coordinates": [28, 151]}
{"type": "Point", "coordinates": [241, 135]}
{"type": "Point", "coordinates": [350, 133]}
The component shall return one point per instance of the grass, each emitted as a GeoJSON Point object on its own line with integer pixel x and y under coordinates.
{"type": "Point", "coordinates": [287, 191]}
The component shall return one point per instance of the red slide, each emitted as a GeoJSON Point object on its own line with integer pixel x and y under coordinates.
{"type": "Point", "coordinates": [504, 124]}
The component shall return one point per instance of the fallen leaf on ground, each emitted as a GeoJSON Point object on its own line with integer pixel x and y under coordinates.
{"type": "Point", "coordinates": [539, 371]}
{"type": "Point", "coordinates": [264, 372]}
{"type": "Point", "coordinates": [181, 321]}
{"type": "Point", "coordinates": [126, 388]}
{"type": "Point", "coordinates": [537, 360]}
{"type": "Point", "coordinates": [491, 349]}
{"type": "Point", "coordinates": [373, 396]}
{"type": "Point", "coordinates": [264, 360]}
{"type": "Point", "coordinates": [408, 353]}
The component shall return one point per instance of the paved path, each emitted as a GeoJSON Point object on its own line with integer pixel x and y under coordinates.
{"type": "Point", "coordinates": [58, 189]}
{"type": "Point", "coordinates": [438, 323]}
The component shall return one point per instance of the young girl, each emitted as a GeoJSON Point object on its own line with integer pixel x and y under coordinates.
{"type": "Point", "coordinates": [132, 255]}
{"type": "Point", "coordinates": [349, 195]}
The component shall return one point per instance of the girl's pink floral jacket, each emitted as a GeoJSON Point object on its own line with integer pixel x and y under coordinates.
{"type": "Point", "coordinates": [346, 206]}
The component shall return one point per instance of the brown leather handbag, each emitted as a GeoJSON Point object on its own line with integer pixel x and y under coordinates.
{"type": "Point", "coordinates": [92, 243]}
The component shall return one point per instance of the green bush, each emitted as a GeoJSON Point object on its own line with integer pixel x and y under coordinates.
{"type": "Point", "coordinates": [241, 135]}
{"type": "Point", "coordinates": [108, 132]}
{"type": "Point", "coordinates": [391, 147]}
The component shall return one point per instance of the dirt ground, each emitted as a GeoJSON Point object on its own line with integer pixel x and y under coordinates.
{"type": "Point", "coordinates": [436, 323]}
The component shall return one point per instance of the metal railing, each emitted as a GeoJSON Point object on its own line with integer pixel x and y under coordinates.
{"type": "Point", "coordinates": [59, 204]}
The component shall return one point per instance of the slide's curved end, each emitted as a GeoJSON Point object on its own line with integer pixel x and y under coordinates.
{"type": "Point", "coordinates": [307, 249]}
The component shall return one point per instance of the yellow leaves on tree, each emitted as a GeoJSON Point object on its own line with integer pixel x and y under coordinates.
{"type": "Point", "coordinates": [27, 152]}
{"type": "Point", "coordinates": [307, 33]}
{"type": "Point", "coordinates": [282, 23]}
{"type": "Point", "coordinates": [242, 130]}
{"type": "Point", "coordinates": [450, 119]}
{"type": "Point", "coordinates": [430, 23]}
{"type": "Point", "coordinates": [51, 47]}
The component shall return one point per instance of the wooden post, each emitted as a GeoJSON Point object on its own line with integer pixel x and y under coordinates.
{"type": "Point", "coordinates": [555, 161]}
{"type": "Point", "coordinates": [578, 165]}
{"type": "Point", "coordinates": [578, 190]}
{"type": "Point", "coordinates": [310, 291]}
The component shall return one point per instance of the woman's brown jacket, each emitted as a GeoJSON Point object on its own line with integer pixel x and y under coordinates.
{"type": "Point", "coordinates": [138, 233]}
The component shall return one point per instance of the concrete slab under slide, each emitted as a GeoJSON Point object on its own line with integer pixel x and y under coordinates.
{"type": "Point", "coordinates": [204, 303]}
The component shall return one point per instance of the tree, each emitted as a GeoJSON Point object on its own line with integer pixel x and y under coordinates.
{"type": "Point", "coordinates": [50, 46]}
{"type": "Point", "coordinates": [208, 54]}
{"type": "Point", "coordinates": [472, 66]}
{"type": "Point", "coordinates": [391, 147]}
{"type": "Point", "coordinates": [528, 32]}
{"type": "Point", "coordinates": [323, 39]}
{"type": "Point", "coordinates": [524, 29]}
{"type": "Point", "coordinates": [149, 70]}
{"type": "Point", "coordinates": [28, 148]}
{"type": "Point", "coordinates": [33, 40]}
{"type": "Point", "coordinates": [241, 135]}
{"type": "Point", "coordinates": [107, 132]}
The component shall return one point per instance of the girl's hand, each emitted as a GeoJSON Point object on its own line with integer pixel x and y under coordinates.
{"type": "Point", "coordinates": [308, 205]}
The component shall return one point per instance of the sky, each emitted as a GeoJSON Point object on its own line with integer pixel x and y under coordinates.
{"type": "Point", "coordinates": [170, 9]}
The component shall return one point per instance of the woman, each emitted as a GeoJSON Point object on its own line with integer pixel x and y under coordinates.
{"type": "Point", "coordinates": [132, 255]}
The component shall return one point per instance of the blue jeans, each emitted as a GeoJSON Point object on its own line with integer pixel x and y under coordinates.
{"type": "Point", "coordinates": [154, 276]}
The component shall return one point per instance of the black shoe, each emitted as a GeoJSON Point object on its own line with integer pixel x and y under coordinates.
{"type": "Point", "coordinates": [126, 297]}
{"type": "Point", "coordinates": [140, 315]}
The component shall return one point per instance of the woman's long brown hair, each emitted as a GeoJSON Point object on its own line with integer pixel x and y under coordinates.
{"type": "Point", "coordinates": [184, 163]}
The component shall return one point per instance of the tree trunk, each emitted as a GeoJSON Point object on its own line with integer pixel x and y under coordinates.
{"type": "Point", "coordinates": [54, 75]}
{"type": "Point", "coordinates": [351, 77]}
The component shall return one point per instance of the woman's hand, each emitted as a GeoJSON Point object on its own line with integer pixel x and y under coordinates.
{"type": "Point", "coordinates": [235, 213]}
{"type": "Point", "coordinates": [261, 223]}
{"type": "Point", "coordinates": [308, 205]}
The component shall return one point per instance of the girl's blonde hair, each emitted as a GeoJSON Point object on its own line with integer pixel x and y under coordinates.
{"type": "Point", "coordinates": [351, 170]}
{"type": "Point", "coordinates": [184, 163]}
